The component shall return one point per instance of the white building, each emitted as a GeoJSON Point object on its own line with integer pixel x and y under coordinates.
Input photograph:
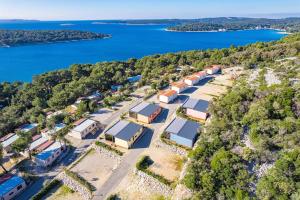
{"type": "Point", "coordinates": [191, 80]}
{"type": "Point", "coordinates": [201, 75]}
{"type": "Point", "coordinates": [7, 141]}
{"type": "Point", "coordinates": [167, 96]}
{"type": "Point", "coordinates": [83, 128]}
{"type": "Point", "coordinates": [213, 69]}
{"type": "Point", "coordinates": [197, 109]}
{"type": "Point", "coordinates": [49, 155]}
{"type": "Point", "coordinates": [11, 186]}
{"type": "Point", "coordinates": [179, 86]}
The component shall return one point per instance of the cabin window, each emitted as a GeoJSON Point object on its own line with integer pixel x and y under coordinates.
{"type": "Point", "coordinates": [11, 193]}
{"type": "Point", "coordinates": [19, 187]}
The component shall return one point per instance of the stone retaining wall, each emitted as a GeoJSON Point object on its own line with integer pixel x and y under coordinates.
{"type": "Point", "coordinates": [107, 153]}
{"type": "Point", "coordinates": [150, 182]}
{"type": "Point", "coordinates": [74, 185]}
{"type": "Point", "coordinates": [171, 148]}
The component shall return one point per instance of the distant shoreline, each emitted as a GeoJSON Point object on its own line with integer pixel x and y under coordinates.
{"type": "Point", "coordinates": [283, 32]}
{"type": "Point", "coordinates": [40, 43]}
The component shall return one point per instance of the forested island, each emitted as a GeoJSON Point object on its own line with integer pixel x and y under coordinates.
{"type": "Point", "coordinates": [22, 37]}
{"type": "Point", "coordinates": [220, 166]}
{"type": "Point", "coordinates": [237, 23]}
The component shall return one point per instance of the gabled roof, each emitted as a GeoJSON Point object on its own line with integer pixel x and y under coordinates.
{"type": "Point", "coordinates": [195, 104]}
{"type": "Point", "coordinates": [35, 144]}
{"type": "Point", "coordinates": [44, 155]}
{"type": "Point", "coordinates": [192, 78]}
{"type": "Point", "coordinates": [5, 177]}
{"type": "Point", "coordinates": [201, 73]}
{"type": "Point", "coordinates": [145, 109]}
{"type": "Point", "coordinates": [27, 127]}
{"type": "Point", "coordinates": [214, 67]}
{"type": "Point", "coordinates": [124, 130]}
{"type": "Point", "coordinates": [36, 137]}
{"type": "Point", "coordinates": [6, 137]}
{"type": "Point", "coordinates": [10, 184]}
{"type": "Point", "coordinates": [78, 122]}
{"type": "Point", "coordinates": [10, 140]}
{"type": "Point", "coordinates": [84, 125]}
{"type": "Point", "coordinates": [183, 128]}
{"type": "Point", "coordinates": [180, 84]}
{"type": "Point", "coordinates": [168, 93]}
{"type": "Point", "coordinates": [44, 146]}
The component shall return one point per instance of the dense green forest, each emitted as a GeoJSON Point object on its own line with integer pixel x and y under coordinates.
{"type": "Point", "coordinates": [26, 102]}
{"type": "Point", "coordinates": [223, 166]}
{"type": "Point", "coordinates": [20, 37]}
{"type": "Point", "coordinates": [236, 23]}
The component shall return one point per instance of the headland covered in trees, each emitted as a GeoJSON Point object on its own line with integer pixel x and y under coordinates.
{"type": "Point", "coordinates": [236, 23]}
{"type": "Point", "coordinates": [220, 163]}
{"type": "Point", "coordinates": [22, 37]}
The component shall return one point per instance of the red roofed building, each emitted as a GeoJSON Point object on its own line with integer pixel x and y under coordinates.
{"type": "Point", "coordinates": [201, 75]}
{"type": "Point", "coordinates": [6, 137]}
{"type": "Point", "coordinates": [4, 178]}
{"type": "Point", "coordinates": [191, 80]}
{"type": "Point", "coordinates": [167, 96]}
{"type": "Point", "coordinates": [179, 86]}
{"type": "Point", "coordinates": [44, 146]}
{"type": "Point", "coordinates": [213, 69]}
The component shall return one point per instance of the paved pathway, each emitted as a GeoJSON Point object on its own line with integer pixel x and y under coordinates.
{"type": "Point", "coordinates": [129, 160]}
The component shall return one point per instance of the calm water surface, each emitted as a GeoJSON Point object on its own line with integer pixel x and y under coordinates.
{"type": "Point", "coordinates": [128, 41]}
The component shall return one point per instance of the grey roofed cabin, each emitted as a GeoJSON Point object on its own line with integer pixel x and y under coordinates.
{"type": "Point", "coordinates": [145, 108]}
{"type": "Point", "coordinates": [124, 130]}
{"type": "Point", "coordinates": [183, 132]}
{"type": "Point", "coordinates": [195, 104]}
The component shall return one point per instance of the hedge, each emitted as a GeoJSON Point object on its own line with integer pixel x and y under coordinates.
{"type": "Point", "coordinates": [48, 187]}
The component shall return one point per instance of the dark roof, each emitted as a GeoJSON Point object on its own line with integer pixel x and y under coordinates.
{"type": "Point", "coordinates": [183, 128]}
{"type": "Point", "coordinates": [195, 104]}
{"type": "Point", "coordinates": [124, 130]}
{"type": "Point", "coordinates": [145, 108]}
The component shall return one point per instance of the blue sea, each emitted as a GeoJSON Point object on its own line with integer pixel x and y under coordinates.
{"type": "Point", "coordinates": [128, 41]}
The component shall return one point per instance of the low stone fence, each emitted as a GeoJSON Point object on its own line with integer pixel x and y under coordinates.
{"type": "Point", "coordinates": [172, 148]}
{"type": "Point", "coordinates": [155, 185]}
{"type": "Point", "coordinates": [74, 185]}
{"type": "Point", "coordinates": [107, 153]}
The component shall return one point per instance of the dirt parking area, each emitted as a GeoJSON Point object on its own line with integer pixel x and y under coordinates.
{"type": "Point", "coordinates": [95, 168]}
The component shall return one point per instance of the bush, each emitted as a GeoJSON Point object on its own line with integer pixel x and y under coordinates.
{"type": "Point", "coordinates": [80, 180]}
{"type": "Point", "coordinates": [113, 197]}
{"type": "Point", "coordinates": [48, 187]}
{"type": "Point", "coordinates": [101, 144]}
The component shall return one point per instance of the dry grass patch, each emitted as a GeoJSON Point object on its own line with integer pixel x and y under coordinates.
{"type": "Point", "coordinates": [166, 163]}
{"type": "Point", "coordinates": [64, 193]}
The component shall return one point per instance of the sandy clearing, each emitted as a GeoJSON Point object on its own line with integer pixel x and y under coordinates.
{"type": "Point", "coordinates": [95, 168]}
